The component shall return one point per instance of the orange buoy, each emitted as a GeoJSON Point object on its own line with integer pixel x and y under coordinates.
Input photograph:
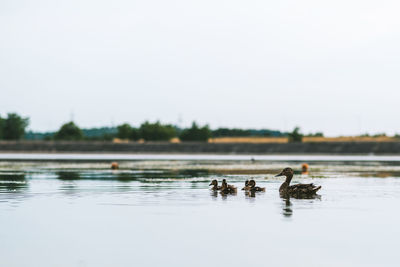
{"type": "Point", "coordinates": [114, 165]}
{"type": "Point", "coordinates": [304, 168]}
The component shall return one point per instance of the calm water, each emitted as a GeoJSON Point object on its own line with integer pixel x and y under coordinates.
{"type": "Point", "coordinates": [160, 212]}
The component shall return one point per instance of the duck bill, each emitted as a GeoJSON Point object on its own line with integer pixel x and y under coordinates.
{"type": "Point", "coordinates": [280, 174]}
{"type": "Point", "coordinates": [210, 184]}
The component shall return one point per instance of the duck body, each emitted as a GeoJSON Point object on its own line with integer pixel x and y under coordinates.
{"type": "Point", "coordinates": [297, 190]}
{"type": "Point", "coordinates": [253, 188]}
{"type": "Point", "coordinates": [227, 189]}
{"type": "Point", "coordinates": [257, 189]}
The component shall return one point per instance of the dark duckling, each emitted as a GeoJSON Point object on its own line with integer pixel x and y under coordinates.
{"type": "Point", "coordinates": [297, 190]}
{"type": "Point", "coordinates": [214, 183]}
{"type": "Point", "coordinates": [227, 189]}
{"type": "Point", "coordinates": [254, 188]}
{"type": "Point", "coordinates": [246, 185]}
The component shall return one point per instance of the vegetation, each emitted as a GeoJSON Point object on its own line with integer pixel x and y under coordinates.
{"type": "Point", "coordinates": [125, 131]}
{"type": "Point", "coordinates": [295, 136]}
{"type": "Point", "coordinates": [317, 134]}
{"type": "Point", "coordinates": [157, 131]}
{"type": "Point", "coordinates": [13, 127]}
{"type": "Point", "coordinates": [195, 133]}
{"type": "Point", "coordinates": [100, 134]}
{"type": "Point", "coordinates": [379, 135]}
{"type": "Point", "coordinates": [226, 132]}
{"type": "Point", "coordinates": [1, 127]}
{"type": "Point", "coordinates": [69, 132]}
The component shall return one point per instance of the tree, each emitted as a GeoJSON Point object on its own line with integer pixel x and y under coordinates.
{"type": "Point", "coordinates": [156, 131]}
{"type": "Point", "coordinates": [295, 136]}
{"type": "Point", "coordinates": [13, 128]}
{"type": "Point", "coordinates": [195, 133]}
{"type": "Point", "coordinates": [69, 131]}
{"type": "Point", "coordinates": [1, 128]}
{"type": "Point", "coordinates": [125, 131]}
{"type": "Point", "coordinates": [317, 134]}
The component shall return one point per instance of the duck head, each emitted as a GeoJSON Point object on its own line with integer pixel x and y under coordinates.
{"type": "Point", "coordinates": [304, 168]}
{"type": "Point", "coordinates": [224, 183]}
{"type": "Point", "coordinates": [214, 183]}
{"type": "Point", "coordinates": [288, 172]}
{"type": "Point", "coordinates": [246, 183]}
{"type": "Point", "coordinates": [252, 183]}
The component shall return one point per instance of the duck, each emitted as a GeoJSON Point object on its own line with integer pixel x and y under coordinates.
{"type": "Point", "coordinates": [227, 189]}
{"type": "Point", "coordinates": [297, 190]}
{"type": "Point", "coordinates": [304, 169]}
{"type": "Point", "coordinates": [246, 185]}
{"type": "Point", "coordinates": [252, 187]}
{"type": "Point", "coordinates": [215, 187]}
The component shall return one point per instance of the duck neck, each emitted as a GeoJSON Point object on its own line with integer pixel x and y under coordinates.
{"type": "Point", "coordinates": [289, 179]}
{"type": "Point", "coordinates": [286, 183]}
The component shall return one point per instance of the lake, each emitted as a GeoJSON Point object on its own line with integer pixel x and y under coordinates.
{"type": "Point", "coordinates": [157, 210]}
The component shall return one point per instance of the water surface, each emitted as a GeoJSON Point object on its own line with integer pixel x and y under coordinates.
{"type": "Point", "coordinates": [160, 212]}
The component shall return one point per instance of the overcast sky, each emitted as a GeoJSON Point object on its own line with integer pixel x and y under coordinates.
{"type": "Point", "coordinates": [331, 66]}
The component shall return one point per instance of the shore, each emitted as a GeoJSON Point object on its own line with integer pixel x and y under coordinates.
{"type": "Point", "coordinates": [327, 148]}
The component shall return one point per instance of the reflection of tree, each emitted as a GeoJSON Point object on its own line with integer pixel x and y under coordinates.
{"type": "Point", "coordinates": [169, 174]}
{"type": "Point", "coordinates": [13, 182]}
{"type": "Point", "coordinates": [68, 175]}
{"type": "Point", "coordinates": [125, 177]}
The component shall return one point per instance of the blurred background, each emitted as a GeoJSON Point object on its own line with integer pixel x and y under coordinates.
{"type": "Point", "coordinates": [326, 67]}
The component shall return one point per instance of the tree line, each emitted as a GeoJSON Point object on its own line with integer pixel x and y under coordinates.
{"type": "Point", "coordinates": [13, 127]}
{"type": "Point", "coordinates": [147, 131]}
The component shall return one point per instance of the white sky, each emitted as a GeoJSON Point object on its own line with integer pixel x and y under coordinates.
{"type": "Point", "coordinates": [331, 66]}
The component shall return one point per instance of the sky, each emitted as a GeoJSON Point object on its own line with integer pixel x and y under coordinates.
{"type": "Point", "coordinates": [330, 66]}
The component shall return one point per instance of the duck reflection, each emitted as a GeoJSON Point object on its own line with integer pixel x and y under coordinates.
{"type": "Point", "coordinates": [124, 177]}
{"type": "Point", "coordinates": [251, 194]}
{"type": "Point", "coordinates": [214, 193]}
{"type": "Point", "coordinates": [286, 207]}
{"type": "Point", "coordinates": [224, 196]}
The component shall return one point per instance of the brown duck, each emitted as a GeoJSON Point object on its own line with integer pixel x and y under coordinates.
{"type": "Point", "coordinates": [246, 186]}
{"type": "Point", "coordinates": [226, 188]}
{"type": "Point", "coordinates": [297, 190]}
{"type": "Point", "coordinates": [254, 188]}
{"type": "Point", "coordinates": [215, 187]}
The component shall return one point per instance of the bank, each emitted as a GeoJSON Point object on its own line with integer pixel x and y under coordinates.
{"type": "Point", "coordinates": [334, 148]}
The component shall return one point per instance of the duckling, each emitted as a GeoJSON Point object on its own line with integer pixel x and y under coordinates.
{"type": "Point", "coordinates": [254, 188]}
{"type": "Point", "coordinates": [297, 190]}
{"type": "Point", "coordinates": [246, 185]}
{"type": "Point", "coordinates": [215, 187]}
{"type": "Point", "coordinates": [227, 189]}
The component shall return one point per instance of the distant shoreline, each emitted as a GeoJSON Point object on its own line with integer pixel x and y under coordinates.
{"type": "Point", "coordinates": [309, 148]}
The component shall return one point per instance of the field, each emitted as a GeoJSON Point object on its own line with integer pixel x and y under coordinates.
{"type": "Point", "coordinates": [305, 139]}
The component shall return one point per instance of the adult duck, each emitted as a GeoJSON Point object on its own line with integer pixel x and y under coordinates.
{"type": "Point", "coordinates": [215, 187]}
{"type": "Point", "coordinates": [227, 189]}
{"type": "Point", "coordinates": [297, 190]}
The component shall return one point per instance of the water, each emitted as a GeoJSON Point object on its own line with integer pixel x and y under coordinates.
{"type": "Point", "coordinates": [160, 212]}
